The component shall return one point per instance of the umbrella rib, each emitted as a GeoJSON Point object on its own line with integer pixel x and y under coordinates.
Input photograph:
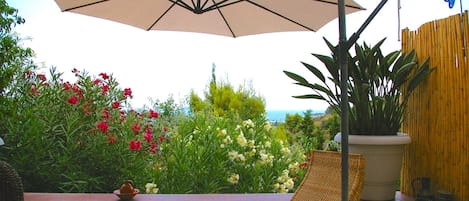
{"type": "Point", "coordinates": [161, 16]}
{"type": "Point", "coordinates": [85, 5]}
{"type": "Point", "coordinates": [221, 5]}
{"type": "Point", "coordinates": [224, 19]}
{"type": "Point", "coordinates": [182, 4]}
{"type": "Point", "coordinates": [280, 15]}
{"type": "Point", "coordinates": [205, 3]}
{"type": "Point", "coordinates": [193, 4]}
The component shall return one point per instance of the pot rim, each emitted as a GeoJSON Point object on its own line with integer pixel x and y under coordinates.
{"type": "Point", "coordinates": [400, 138]}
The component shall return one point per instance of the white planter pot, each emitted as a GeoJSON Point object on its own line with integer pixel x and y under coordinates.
{"type": "Point", "coordinates": [383, 162]}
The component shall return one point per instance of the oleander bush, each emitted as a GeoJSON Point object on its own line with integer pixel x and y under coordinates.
{"type": "Point", "coordinates": [210, 154]}
{"type": "Point", "coordinates": [79, 137]}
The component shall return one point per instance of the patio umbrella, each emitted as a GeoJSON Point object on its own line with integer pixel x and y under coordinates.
{"type": "Point", "coordinates": [221, 17]}
{"type": "Point", "coordinates": [236, 18]}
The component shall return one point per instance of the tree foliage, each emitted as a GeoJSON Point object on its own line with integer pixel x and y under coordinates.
{"type": "Point", "coordinates": [222, 99]}
{"type": "Point", "coordinates": [293, 123]}
{"type": "Point", "coordinates": [15, 62]}
{"type": "Point", "coordinates": [307, 125]}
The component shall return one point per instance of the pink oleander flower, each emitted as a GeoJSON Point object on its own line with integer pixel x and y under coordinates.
{"type": "Point", "coordinates": [105, 114]}
{"type": "Point", "coordinates": [104, 76]}
{"type": "Point", "coordinates": [105, 89]}
{"type": "Point", "coordinates": [153, 114]}
{"type": "Point", "coordinates": [97, 81]}
{"type": "Point", "coordinates": [136, 128]}
{"type": "Point", "coordinates": [147, 137]}
{"type": "Point", "coordinates": [41, 77]}
{"type": "Point", "coordinates": [153, 147]}
{"type": "Point", "coordinates": [67, 86]}
{"type": "Point", "coordinates": [116, 104]}
{"type": "Point", "coordinates": [148, 130]}
{"type": "Point", "coordinates": [161, 138]}
{"type": "Point", "coordinates": [72, 100]}
{"type": "Point", "coordinates": [303, 165]}
{"type": "Point", "coordinates": [135, 145]}
{"type": "Point", "coordinates": [103, 126]}
{"type": "Point", "coordinates": [122, 116]}
{"type": "Point", "coordinates": [76, 88]}
{"type": "Point", "coordinates": [127, 92]}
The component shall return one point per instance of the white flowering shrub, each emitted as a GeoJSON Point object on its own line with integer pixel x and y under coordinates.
{"type": "Point", "coordinates": [225, 155]}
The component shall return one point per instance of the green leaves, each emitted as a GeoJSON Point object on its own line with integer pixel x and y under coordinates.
{"type": "Point", "coordinates": [206, 151]}
{"type": "Point", "coordinates": [296, 77]}
{"type": "Point", "coordinates": [378, 86]}
{"type": "Point", "coordinates": [48, 131]}
{"type": "Point", "coordinates": [222, 98]}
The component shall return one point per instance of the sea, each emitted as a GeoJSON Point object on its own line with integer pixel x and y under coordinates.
{"type": "Point", "coordinates": [278, 116]}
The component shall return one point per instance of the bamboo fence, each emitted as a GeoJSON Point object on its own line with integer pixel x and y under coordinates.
{"type": "Point", "coordinates": [438, 112]}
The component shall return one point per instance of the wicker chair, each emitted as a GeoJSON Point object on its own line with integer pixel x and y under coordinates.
{"type": "Point", "coordinates": [11, 187]}
{"type": "Point", "coordinates": [322, 181]}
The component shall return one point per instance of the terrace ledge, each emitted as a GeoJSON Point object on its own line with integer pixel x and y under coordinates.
{"type": "Point", "coordinates": [30, 196]}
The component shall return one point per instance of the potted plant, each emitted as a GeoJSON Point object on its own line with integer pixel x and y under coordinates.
{"type": "Point", "coordinates": [378, 88]}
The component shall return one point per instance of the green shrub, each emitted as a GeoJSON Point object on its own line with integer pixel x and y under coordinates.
{"type": "Point", "coordinates": [293, 123]}
{"type": "Point", "coordinates": [79, 137]}
{"type": "Point", "coordinates": [221, 99]}
{"type": "Point", "coordinates": [211, 154]}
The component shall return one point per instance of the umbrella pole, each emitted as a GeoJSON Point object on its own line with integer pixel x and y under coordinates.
{"type": "Point", "coordinates": [344, 130]}
{"type": "Point", "coordinates": [344, 46]}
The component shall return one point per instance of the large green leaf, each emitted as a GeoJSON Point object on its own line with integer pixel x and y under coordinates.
{"type": "Point", "coordinates": [295, 77]}
{"type": "Point", "coordinates": [422, 73]}
{"type": "Point", "coordinates": [315, 71]}
{"type": "Point", "coordinates": [331, 65]}
{"type": "Point", "coordinates": [310, 96]}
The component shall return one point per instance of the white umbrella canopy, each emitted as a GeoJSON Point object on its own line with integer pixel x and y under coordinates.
{"type": "Point", "coordinates": [232, 18]}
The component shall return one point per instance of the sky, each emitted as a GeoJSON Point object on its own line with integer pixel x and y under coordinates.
{"type": "Point", "coordinates": [157, 65]}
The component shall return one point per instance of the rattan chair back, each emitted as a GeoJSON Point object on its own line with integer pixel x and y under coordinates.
{"type": "Point", "coordinates": [322, 181]}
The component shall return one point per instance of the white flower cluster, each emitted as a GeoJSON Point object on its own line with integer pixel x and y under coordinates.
{"type": "Point", "coordinates": [294, 167]}
{"type": "Point", "coordinates": [226, 141]}
{"type": "Point", "coordinates": [233, 178]}
{"type": "Point", "coordinates": [252, 145]}
{"type": "Point", "coordinates": [241, 139]}
{"type": "Point", "coordinates": [284, 182]}
{"type": "Point", "coordinates": [248, 124]}
{"type": "Point", "coordinates": [221, 132]}
{"type": "Point", "coordinates": [151, 188]}
{"type": "Point", "coordinates": [235, 156]}
{"type": "Point", "coordinates": [266, 158]}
